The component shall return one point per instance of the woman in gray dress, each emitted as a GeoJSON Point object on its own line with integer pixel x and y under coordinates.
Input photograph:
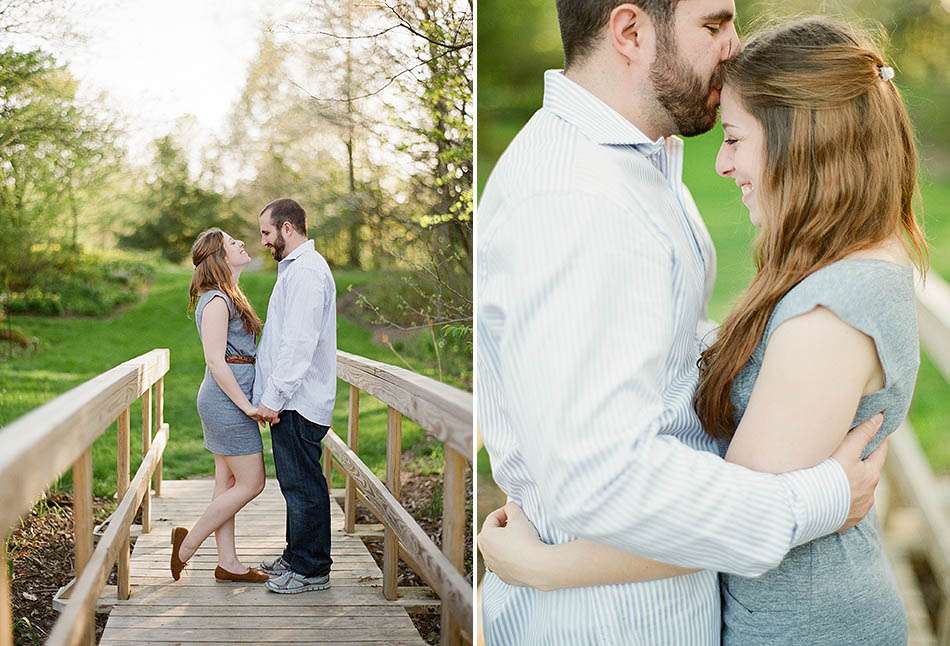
{"type": "Point", "coordinates": [818, 140]}
{"type": "Point", "coordinates": [228, 326]}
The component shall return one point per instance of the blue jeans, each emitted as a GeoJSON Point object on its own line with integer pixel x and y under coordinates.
{"type": "Point", "coordinates": [297, 451]}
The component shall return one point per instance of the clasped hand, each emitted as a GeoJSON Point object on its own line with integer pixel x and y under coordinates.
{"type": "Point", "coordinates": [264, 414]}
{"type": "Point", "coordinates": [510, 546]}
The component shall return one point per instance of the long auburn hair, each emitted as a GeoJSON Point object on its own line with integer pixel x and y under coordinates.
{"type": "Point", "coordinates": [840, 176]}
{"type": "Point", "coordinates": [212, 272]}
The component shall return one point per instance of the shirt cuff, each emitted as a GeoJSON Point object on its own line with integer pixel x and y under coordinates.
{"type": "Point", "coordinates": [821, 498]}
{"type": "Point", "coordinates": [273, 400]}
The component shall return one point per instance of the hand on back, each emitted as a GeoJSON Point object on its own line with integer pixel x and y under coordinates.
{"type": "Point", "coordinates": [863, 475]}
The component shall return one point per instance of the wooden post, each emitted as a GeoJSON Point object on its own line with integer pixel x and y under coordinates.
{"type": "Point", "coordinates": [6, 609]}
{"type": "Point", "coordinates": [328, 465]}
{"type": "Point", "coordinates": [82, 528]}
{"type": "Point", "coordinates": [159, 420]}
{"type": "Point", "coordinates": [352, 439]}
{"type": "Point", "coordinates": [123, 462]}
{"type": "Point", "coordinates": [146, 445]}
{"type": "Point", "coordinates": [453, 531]}
{"type": "Point", "coordinates": [390, 542]}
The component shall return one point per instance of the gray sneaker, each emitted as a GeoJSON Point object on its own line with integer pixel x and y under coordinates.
{"type": "Point", "coordinates": [276, 567]}
{"type": "Point", "coordinates": [291, 583]}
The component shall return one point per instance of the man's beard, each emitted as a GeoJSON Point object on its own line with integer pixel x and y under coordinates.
{"type": "Point", "coordinates": [681, 92]}
{"type": "Point", "coordinates": [277, 248]}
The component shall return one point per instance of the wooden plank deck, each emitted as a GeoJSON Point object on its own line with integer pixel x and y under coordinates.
{"type": "Point", "coordinates": [198, 609]}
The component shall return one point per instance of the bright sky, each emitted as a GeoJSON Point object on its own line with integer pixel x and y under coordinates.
{"type": "Point", "coordinates": [160, 60]}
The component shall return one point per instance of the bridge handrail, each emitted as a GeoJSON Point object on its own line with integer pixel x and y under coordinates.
{"type": "Point", "coordinates": [445, 413]}
{"type": "Point", "coordinates": [907, 466]}
{"type": "Point", "coordinates": [38, 447]}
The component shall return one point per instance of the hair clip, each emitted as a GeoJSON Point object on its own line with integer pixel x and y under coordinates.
{"type": "Point", "coordinates": [885, 72]}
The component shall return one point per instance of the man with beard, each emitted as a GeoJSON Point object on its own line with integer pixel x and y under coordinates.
{"type": "Point", "coordinates": [594, 273]}
{"type": "Point", "coordinates": [295, 389]}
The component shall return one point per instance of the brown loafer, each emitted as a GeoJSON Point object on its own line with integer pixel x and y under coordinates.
{"type": "Point", "coordinates": [177, 565]}
{"type": "Point", "coordinates": [251, 576]}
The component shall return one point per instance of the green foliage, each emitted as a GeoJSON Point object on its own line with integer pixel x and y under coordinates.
{"type": "Point", "coordinates": [81, 284]}
{"type": "Point", "coordinates": [34, 301]}
{"type": "Point", "coordinates": [175, 207]}
{"type": "Point", "coordinates": [48, 143]}
{"type": "Point", "coordinates": [371, 130]}
{"type": "Point", "coordinates": [428, 321]}
{"type": "Point", "coordinates": [429, 456]}
{"type": "Point", "coordinates": [24, 632]}
{"type": "Point", "coordinates": [445, 131]}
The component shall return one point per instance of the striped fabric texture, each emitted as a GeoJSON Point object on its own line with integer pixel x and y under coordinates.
{"type": "Point", "coordinates": [593, 275]}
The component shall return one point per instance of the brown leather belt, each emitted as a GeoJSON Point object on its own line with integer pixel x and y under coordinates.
{"type": "Point", "coordinates": [237, 358]}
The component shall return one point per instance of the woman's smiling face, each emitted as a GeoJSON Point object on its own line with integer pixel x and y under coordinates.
{"type": "Point", "coordinates": [235, 253]}
{"type": "Point", "coordinates": [742, 154]}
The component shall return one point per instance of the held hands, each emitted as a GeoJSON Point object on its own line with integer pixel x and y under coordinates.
{"type": "Point", "coordinates": [511, 547]}
{"type": "Point", "coordinates": [263, 414]}
{"type": "Point", "coordinates": [863, 475]}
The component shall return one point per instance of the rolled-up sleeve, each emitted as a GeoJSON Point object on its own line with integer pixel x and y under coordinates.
{"type": "Point", "coordinates": [588, 335]}
{"type": "Point", "coordinates": [302, 317]}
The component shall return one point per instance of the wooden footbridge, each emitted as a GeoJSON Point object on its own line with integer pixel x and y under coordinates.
{"type": "Point", "coordinates": [364, 604]}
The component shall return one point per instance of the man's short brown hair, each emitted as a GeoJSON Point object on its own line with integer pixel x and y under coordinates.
{"type": "Point", "coordinates": [287, 210]}
{"type": "Point", "coordinates": [582, 20]}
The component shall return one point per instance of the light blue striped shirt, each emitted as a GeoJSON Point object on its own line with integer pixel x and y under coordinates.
{"type": "Point", "coordinates": [296, 359]}
{"type": "Point", "coordinates": [593, 275]}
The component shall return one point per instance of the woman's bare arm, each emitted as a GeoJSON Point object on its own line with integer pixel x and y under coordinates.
{"type": "Point", "coordinates": [214, 341]}
{"type": "Point", "coordinates": [815, 370]}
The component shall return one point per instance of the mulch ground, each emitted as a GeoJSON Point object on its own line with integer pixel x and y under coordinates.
{"type": "Point", "coordinates": [41, 552]}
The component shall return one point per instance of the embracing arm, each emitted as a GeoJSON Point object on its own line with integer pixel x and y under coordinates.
{"type": "Point", "coordinates": [214, 342]}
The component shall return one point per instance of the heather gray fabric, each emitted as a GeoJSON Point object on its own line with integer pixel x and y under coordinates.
{"type": "Point", "coordinates": [227, 430]}
{"type": "Point", "coordinates": [837, 590]}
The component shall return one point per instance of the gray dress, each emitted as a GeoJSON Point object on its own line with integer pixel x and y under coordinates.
{"type": "Point", "coordinates": [227, 430]}
{"type": "Point", "coordinates": [837, 590]}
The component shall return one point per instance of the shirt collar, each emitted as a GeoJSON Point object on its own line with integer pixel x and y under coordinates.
{"type": "Point", "coordinates": [597, 120]}
{"type": "Point", "coordinates": [293, 255]}
{"type": "Point", "coordinates": [603, 125]}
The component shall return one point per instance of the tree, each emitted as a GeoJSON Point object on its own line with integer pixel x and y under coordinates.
{"type": "Point", "coordinates": [176, 208]}
{"type": "Point", "coordinates": [49, 144]}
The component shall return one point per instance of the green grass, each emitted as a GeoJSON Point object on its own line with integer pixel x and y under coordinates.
{"type": "Point", "coordinates": [73, 350]}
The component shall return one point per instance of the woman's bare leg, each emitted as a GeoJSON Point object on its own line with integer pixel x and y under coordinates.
{"type": "Point", "coordinates": [224, 534]}
{"type": "Point", "coordinates": [248, 472]}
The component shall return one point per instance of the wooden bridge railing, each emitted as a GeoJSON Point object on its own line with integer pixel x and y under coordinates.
{"type": "Point", "coordinates": [911, 485]}
{"type": "Point", "coordinates": [38, 447]}
{"type": "Point", "coordinates": [446, 414]}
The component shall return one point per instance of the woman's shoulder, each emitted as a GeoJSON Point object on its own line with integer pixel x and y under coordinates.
{"type": "Point", "coordinates": [873, 295]}
{"type": "Point", "coordinates": [205, 297]}
{"type": "Point", "coordinates": [853, 287]}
